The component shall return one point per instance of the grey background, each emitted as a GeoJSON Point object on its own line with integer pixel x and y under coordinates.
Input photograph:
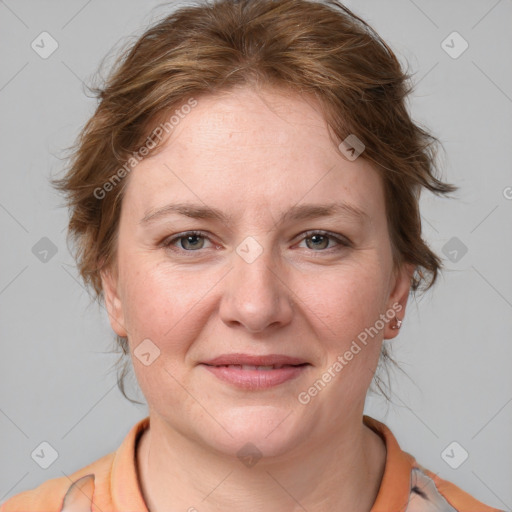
{"type": "Point", "coordinates": [57, 383]}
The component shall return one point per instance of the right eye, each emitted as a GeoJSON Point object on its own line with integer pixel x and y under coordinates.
{"type": "Point", "coordinates": [189, 241]}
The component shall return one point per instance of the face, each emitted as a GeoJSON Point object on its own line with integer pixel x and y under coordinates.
{"type": "Point", "coordinates": [250, 240]}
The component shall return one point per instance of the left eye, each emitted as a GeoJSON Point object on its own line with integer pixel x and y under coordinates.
{"type": "Point", "coordinates": [321, 239]}
{"type": "Point", "coordinates": [194, 240]}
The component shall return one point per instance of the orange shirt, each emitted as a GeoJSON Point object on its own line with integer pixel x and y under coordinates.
{"type": "Point", "coordinates": [110, 484]}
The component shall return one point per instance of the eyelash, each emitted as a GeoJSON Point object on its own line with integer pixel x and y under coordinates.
{"type": "Point", "coordinates": [342, 243]}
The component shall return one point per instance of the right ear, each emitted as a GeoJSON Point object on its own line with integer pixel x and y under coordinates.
{"type": "Point", "coordinates": [113, 302]}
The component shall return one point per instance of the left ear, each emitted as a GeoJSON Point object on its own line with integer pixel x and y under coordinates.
{"type": "Point", "coordinates": [397, 300]}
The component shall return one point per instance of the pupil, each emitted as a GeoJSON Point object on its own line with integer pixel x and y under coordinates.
{"type": "Point", "coordinates": [318, 238]}
{"type": "Point", "coordinates": [191, 240]}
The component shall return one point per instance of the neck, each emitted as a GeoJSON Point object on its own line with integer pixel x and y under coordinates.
{"type": "Point", "coordinates": [341, 471]}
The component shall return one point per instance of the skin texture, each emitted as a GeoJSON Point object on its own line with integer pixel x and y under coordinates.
{"type": "Point", "coordinates": [254, 155]}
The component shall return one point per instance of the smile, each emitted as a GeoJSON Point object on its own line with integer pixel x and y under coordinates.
{"type": "Point", "coordinates": [252, 377]}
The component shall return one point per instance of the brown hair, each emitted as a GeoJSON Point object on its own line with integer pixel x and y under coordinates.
{"type": "Point", "coordinates": [316, 48]}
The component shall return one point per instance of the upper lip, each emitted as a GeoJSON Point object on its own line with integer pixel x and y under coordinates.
{"type": "Point", "coordinates": [246, 359]}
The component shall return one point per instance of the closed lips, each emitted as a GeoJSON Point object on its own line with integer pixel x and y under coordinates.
{"type": "Point", "coordinates": [260, 367]}
{"type": "Point", "coordinates": [252, 362]}
{"type": "Point", "coordinates": [256, 373]}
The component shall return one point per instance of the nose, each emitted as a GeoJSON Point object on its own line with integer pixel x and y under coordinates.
{"type": "Point", "coordinates": [256, 295]}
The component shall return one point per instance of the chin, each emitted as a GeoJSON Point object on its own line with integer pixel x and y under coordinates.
{"type": "Point", "coordinates": [267, 430]}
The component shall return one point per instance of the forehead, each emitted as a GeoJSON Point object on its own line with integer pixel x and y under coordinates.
{"type": "Point", "coordinates": [245, 146]}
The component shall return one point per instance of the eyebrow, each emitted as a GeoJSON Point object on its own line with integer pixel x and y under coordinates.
{"type": "Point", "coordinates": [297, 212]}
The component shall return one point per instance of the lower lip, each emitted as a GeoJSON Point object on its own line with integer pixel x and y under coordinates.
{"type": "Point", "coordinates": [256, 379]}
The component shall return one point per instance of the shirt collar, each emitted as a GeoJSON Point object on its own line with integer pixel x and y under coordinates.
{"type": "Point", "coordinates": [393, 493]}
{"type": "Point", "coordinates": [395, 487]}
{"type": "Point", "coordinates": [126, 492]}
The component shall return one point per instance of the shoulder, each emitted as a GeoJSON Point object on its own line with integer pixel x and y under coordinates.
{"type": "Point", "coordinates": [431, 493]}
{"type": "Point", "coordinates": [56, 494]}
{"type": "Point", "coordinates": [408, 486]}
{"type": "Point", "coordinates": [110, 483]}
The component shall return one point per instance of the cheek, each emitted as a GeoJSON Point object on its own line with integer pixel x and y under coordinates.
{"type": "Point", "coordinates": [171, 306]}
{"type": "Point", "coordinates": [346, 314]}
{"type": "Point", "coordinates": [163, 304]}
{"type": "Point", "coordinates": [160, 306]}
{"type": "Point", "coordinates": [343, 302]}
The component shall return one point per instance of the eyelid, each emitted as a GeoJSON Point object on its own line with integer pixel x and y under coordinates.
{"type": "Point", "coordinates": [168, 241]}
{"type": "Point", "coordinates": [341, 240]}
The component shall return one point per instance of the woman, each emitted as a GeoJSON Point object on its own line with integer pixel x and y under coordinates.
{"type": "Point", "coordinates": [245, 201]}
